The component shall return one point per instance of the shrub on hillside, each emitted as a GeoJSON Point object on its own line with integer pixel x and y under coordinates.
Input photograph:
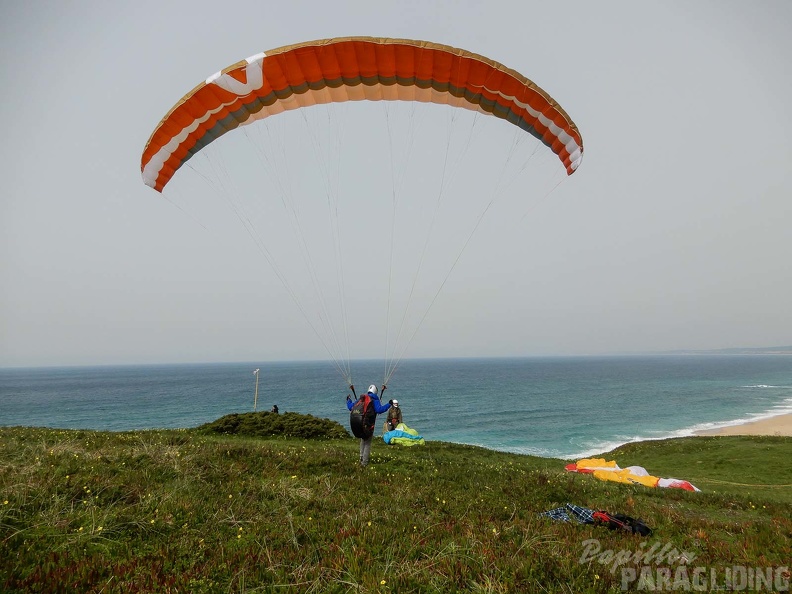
{"type": "Point", "coordinates": [267, 424]}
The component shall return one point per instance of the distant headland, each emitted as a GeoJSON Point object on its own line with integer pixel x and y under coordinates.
{"type": "Point", "coordinates": [777, 350]}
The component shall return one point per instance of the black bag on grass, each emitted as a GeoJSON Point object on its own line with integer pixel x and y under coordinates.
{"type": "Point", "coordinates": [622, 522]}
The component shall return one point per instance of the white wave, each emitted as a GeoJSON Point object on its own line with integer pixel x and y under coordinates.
{"type": "Point", "coordinates": [601, 447]}
{"type": "Point", "coordinates": [597, 448]}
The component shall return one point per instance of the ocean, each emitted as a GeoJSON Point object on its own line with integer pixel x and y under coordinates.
{"type": "Point", "coordinates": [566, 407]}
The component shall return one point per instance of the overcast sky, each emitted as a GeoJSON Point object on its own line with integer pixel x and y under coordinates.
{"type": "Point", "coordinates": [673, 234]}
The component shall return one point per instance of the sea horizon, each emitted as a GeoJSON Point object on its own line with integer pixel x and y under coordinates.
{"type": "Point", "coordinates": [569, 406]}
{"type": "Point", "coordinates": [781, 351]}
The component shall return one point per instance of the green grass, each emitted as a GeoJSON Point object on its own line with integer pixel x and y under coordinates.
{"type": "Point", "coordinates": [216, 509]}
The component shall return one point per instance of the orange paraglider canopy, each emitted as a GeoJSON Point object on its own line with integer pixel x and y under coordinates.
{"type": "Point", "coordinates": [353, 69]}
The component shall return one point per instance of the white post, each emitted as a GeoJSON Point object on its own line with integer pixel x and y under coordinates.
{"type": "Point", "coordinates": [255, 398]}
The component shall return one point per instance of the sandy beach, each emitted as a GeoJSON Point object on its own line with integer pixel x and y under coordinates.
{"type": "Point", "coordinates": [780, 425]}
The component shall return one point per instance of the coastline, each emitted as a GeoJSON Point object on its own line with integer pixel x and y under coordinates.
{"type": "Point", "coordinates": [780, 425]}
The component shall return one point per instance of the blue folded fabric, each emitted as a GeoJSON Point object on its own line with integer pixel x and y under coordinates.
{"type": "Point", "coordinates": [571, 512]}
{"type": "Point", "coordinates": [403, 435]}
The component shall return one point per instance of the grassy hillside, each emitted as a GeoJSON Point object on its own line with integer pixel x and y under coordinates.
{"type": "Point", "coordinates": [237, 507]}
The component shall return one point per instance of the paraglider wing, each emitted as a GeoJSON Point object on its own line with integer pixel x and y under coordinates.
{"type": "Point", "coordinates": [353, 69]}
{"type": "Point", "coordinates": [403, 435]}
{"type": "Point", "coordinates": [608, 470]}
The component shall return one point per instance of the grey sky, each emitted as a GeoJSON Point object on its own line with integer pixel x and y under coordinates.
{"type": "Point", "coordinates": [674, 234]}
